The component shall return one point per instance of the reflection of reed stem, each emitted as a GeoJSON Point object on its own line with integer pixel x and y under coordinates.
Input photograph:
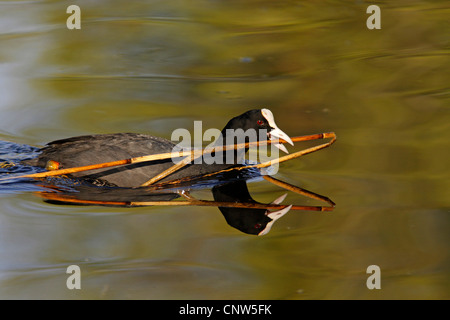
{"type": "Point", "coordinates": [299, 190]}
{"type": "Point", "coordinates": [202, 203]}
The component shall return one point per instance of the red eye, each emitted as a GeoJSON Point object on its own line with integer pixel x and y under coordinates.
{"type": "Point", "coordinates": [260, 122]}
{"type": "Point", "coordinates": [257, 225]}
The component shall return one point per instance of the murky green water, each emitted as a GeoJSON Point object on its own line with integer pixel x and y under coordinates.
{"type": "Point", "coordinates": [155, 66]}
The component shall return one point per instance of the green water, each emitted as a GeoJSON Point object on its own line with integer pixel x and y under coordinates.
{"type": "Point", "coordinates": [156, 66]}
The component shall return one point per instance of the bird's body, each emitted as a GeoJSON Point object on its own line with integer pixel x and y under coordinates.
{"type": "Point", "coordinates": [95, 149]}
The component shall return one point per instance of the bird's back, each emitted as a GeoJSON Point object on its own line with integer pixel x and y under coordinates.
{"type": "Point", "coordinates": [95, 149]}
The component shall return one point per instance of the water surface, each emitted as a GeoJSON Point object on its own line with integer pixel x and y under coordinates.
{"type": "Point", "coordinates": [157, 66]}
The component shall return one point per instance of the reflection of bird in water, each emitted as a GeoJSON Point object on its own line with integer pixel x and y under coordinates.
{"type": "Point", "coordinates": [257, 221]}
{"type": "Point", "coordinates": [86, 194]}
{"type": "Point", "coordinates": [92, 149]}
{"type": "Point", "coordinates": [248, 220]}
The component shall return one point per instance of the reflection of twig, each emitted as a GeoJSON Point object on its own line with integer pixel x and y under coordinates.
{"type": "Point", "coordinates": [299, 190]}
{"type": "Point", "coordinates": [7, 165]}
{"type": "Point", "coordinates": [201, 203]}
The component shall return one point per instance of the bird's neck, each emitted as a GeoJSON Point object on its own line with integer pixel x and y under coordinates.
{"type": "Point", "coordinates": [231, 156]}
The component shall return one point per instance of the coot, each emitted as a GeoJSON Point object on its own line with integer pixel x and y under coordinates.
{"type": "Point", "coordinates": [93, 149]}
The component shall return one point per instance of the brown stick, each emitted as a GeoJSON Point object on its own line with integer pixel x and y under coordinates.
{"type": "Point", "coordinates": [269, 163]}
{"type": "Point", "coordinates": [189, 159]}
{"type": "Point", "coordinates": [169, 155]}
{"type": "Point", "coordinates": [58, 172]}
{"type": "Point", "coordinates": [172, 169]}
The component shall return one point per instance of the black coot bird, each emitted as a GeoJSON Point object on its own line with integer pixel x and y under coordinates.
{"type": "Point", "coordinates": [93, 149]}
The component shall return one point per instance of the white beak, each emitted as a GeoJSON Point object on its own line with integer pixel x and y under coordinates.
{"type": "Point", "coordinates": [275, 133]}
{"type": "Point", "coordinates": [275, 215]}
